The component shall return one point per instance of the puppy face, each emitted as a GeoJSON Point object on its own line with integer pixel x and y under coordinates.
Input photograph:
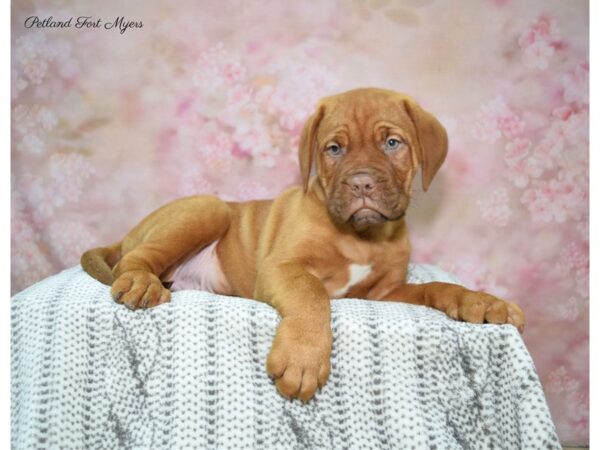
{"type": "Point", "coordinates": [368, 144]}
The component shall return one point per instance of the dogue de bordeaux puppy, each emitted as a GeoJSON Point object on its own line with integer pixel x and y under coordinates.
{"type": "Point", "coordinates": [341, 234]}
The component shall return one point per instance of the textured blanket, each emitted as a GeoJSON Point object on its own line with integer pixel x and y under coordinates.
{"type": "Point", "coordinates": [88, 373]}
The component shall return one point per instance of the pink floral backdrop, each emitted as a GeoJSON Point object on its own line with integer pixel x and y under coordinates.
{"type": "Point", "coordinates": [210, 97]}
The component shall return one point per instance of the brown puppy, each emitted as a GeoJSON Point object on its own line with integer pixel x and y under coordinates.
{"type": "Point", "coordinates": [342, 234]}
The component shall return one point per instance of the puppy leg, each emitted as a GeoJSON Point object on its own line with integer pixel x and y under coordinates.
{"type": "Point", "coordinates": [460, 303]}
{"type": "Point", "coordinates": [299, 357]}
{"type": "Point", "coordinates": [160, 241]}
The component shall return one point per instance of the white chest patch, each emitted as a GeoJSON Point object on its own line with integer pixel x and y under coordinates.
{"type": "Point", "coordinates": [358, 272]}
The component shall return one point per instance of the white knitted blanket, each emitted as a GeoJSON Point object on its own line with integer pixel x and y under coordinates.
{"type": "Point", "coordinates": [90, 374]}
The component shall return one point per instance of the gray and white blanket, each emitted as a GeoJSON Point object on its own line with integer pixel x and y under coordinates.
{"type": "Point", "coordinates": [88, 373]}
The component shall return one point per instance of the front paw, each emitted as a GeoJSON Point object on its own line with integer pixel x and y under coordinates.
{"type": "Point", "coordinates": [299, 358]}
{"type": "Point", "coordinates": [479, 307]}
{"type": "Point", "coordinates": [139, 289]}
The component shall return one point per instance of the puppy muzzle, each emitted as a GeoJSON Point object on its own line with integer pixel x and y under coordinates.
{"type": "Point", "coordinates": [366, 197]}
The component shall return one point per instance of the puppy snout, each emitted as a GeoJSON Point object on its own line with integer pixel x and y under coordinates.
{"type": "Point", "coordinates": [361, 184]}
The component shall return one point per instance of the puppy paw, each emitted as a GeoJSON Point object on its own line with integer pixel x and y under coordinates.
{"type": "Point", "coordinates": [299, 360]}
{"type": "Point", "coordinates": [479, 307]}
{"type": "Point", "coordinates": [139, 289]}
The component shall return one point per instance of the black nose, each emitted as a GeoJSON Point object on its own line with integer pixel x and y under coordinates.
{"type": "Point", "coordinates": [361, 184]}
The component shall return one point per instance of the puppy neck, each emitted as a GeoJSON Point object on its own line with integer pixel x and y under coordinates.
{"type": "Point", "coordinates": [381, 232]}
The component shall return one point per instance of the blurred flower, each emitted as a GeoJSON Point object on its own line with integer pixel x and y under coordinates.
{"type": "Point", "coordinates": [582, 282]}
{"type": "Point", "coordinates": [495, 208]}
{"type": "Point", "coordinates": [63, 182]}
{"type": "Point", "coordinates": [538, 42]}
{"type": "Point", "coordinates": [32, 125]}
{"type": "Point", "coordinates": [29, 264]}
{"type": "Point", "coordinates": [68, 240]}
{"type": "Point", "coordinates": [522, 171]}
{"type": "Point", "coordinates": [573, 256]}
{"type": "Point", "coordinates": [559, 381]}
{"type": "Point", "coordinates": [576, 84]}
{"type": "Point", "coordinates": [216, 67]}
{"type": "Point", "coordinates": [31, 56]}
{"type": "Point", "coordinates": [578, 406]}
{"type": "Point", "coordinates": [563, 142]}
{"type": "Point", "coordinates": [300, 85]}
{"type": "Point", "coordinates": [17, 83]}
{"type": "Point", "coordinates": [569, 309]}
{"type": "Point", "coordinates": [556, 199]}
{"type": "Point", "coordinates": [516, 150]}
{"type": "Point", "coordinates": [194, 182]}
{"type": "Point", "coordinates": [496, 119]}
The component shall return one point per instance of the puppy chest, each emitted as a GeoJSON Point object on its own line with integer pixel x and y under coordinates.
{"type": "Point", "coordinates": [354, 276]}
{"type": "Point", "coordinates": [202, 272]}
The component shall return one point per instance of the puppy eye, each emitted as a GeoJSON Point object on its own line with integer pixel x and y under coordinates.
{"type": "Point", "coordinates": [334, 150]}
{"type": "Point", "coordinates": [393, 143]}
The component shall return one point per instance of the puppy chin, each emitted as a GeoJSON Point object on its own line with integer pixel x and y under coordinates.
{"type": "Point", "coordinates": [366, 216]}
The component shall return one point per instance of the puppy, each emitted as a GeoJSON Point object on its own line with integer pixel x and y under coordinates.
{"type": "Point", "coordinates": [341, 234]}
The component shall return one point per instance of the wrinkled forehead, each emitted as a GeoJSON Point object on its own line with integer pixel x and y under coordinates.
{"type": "Point", "coordinates": [363, 113]}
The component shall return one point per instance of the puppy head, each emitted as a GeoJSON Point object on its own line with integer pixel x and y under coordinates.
{"type": "Point", "coordinates": [368, 144]}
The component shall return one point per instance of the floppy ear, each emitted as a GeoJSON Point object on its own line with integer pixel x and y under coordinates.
{"type": "Point", "coordinates": [308, 145]}
{"type": "Point", "coordinates": [432, 141]}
